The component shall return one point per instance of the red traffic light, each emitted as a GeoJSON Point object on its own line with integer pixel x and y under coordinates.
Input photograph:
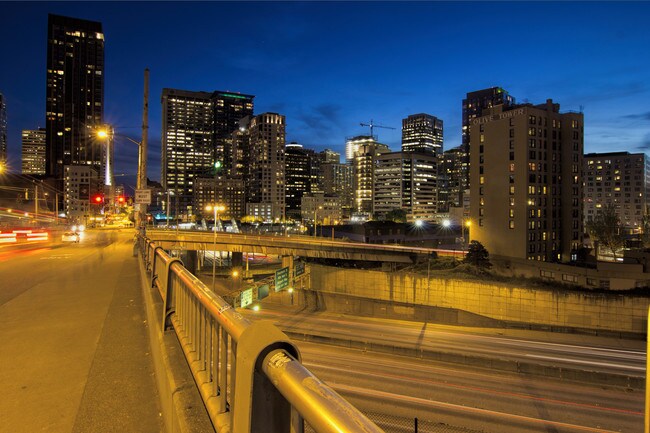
{"type": "Point", "coordinates": [97, 199]}
{"type": "Point", "coordinates": [121, 199]}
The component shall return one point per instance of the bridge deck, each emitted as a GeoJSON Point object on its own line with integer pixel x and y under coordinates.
{"type": "Point", "coordinates": [75, 353]}
{"type": "Point", "coordinates": [302, 246]}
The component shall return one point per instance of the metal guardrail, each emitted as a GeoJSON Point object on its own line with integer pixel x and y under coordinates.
{"type": "Point", "coordinates": [249, 374]}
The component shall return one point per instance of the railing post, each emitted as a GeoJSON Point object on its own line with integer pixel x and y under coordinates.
{"type": "Point", "coordinates": [168, 304]}
{"type": "Point", "coordinates": [258, 406]}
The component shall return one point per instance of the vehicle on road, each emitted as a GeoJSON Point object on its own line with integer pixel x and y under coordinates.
{"type": "Point", "coordinates": [70, 237]}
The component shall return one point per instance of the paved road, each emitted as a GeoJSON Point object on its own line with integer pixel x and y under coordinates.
{"type": "Point", "coordinates": [75, 353]}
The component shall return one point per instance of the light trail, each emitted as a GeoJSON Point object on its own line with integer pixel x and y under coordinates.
{"type": "Point", "coordinates": [458, 408]}
{"type": "Point", "coordinates": [479, 389]}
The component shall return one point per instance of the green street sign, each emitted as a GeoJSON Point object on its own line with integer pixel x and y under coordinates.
{"type": "Point", "coordinates": [281, 279]}
{"type": "Point", "coordinates": [246, 297]}
{"type": "Point", "coordinates": [299, 268]}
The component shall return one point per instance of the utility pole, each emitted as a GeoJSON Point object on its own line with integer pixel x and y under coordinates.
{"type": "Point", "coordinates": [142, 154]}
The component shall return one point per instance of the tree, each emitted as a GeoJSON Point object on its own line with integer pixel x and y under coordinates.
{"type": "Point", "coordinates": [396, 215]}
{"type": "Point", "coordinates": [606, 228]}
{"type": "Point", "coordinates": [477, 255]}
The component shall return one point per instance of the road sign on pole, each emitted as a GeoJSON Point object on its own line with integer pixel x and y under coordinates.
{"type": "Point", "coordinates": [246, 297]}
{"type": "Point", "coordinates": [281, 279]}
{"type": "Point", "coordinates": [299, 268]}
{"type": "Point", "coordinates": [142, 196]}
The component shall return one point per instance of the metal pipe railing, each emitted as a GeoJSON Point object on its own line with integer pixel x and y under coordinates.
{"type": "Point", "coordinates": [225, 350]}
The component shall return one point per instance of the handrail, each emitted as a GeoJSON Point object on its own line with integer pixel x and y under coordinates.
{"type": "Point", "coordinates": [248, 374]}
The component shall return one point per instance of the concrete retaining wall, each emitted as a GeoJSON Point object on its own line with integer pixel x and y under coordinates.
{"type": "Point", "coordinates": [559, 308]}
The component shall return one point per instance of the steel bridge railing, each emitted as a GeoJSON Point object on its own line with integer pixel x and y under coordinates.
{"type": "Point", "coordinates": [249, 374]}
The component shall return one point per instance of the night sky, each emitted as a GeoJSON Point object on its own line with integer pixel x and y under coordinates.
{"type": "Point", "coordinates": [329, 66]}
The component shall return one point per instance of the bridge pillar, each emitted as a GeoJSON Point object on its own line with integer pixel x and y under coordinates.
{"type": "Point", "coordinates": [191, 261]}
{"type": "Point", "coordinates": [236, 266]}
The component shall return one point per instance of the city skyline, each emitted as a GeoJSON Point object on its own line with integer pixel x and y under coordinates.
{"type": "Point", "coordinates": [330, 66]}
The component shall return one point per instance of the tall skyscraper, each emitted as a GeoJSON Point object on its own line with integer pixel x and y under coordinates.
{"type": "Point", "coordinates": [187, 144]}
{"type": "Point", "coordinates": [265, 180]}
{"type": "Point", "coordinates": [422, 133]}
{"type": "Point", "coordinates": [526, 181]}
{"type": "Point", "coordinates": [298, 176]}
{"type": "Point", "coordinates": [229, 108]}
{"type": "Point", "coordinates": [33, 160]}
{"type": "Point", "coordinates": [3, 129]}
{"type": "Point", "coordinates": [621, 179]}
{"type": "Point", "coordinates": [367, 150]}
{"type": "Point", "coordinates": [200, 139]}
{"type": "Point", "coordinates": [74, 94]}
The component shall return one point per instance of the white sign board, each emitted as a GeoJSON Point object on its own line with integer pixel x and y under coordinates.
{"type": "Point", "coordinates": [142, 196]}
{"type": "Point", "coordinates": [246, 297]}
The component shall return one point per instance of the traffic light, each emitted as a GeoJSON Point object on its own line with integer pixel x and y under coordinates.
{"type": "Point", "coordinates": [97, 199]}
{"type": "Point", "coordinates": [120, 199]}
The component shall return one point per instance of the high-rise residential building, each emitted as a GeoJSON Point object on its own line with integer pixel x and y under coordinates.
{"type": "Point", "coordinates": [474, 104]}
{"type": "Point", "coordinates": [33, 151]}
{"type": "Point", "coordinates": [265, 179]}
{"type": "Point", "coordinates": [367, 149]}
{"type": "Point", "coordinates": [297, 175]}
{"type": "Point", "coordinates": [187, 144]}
{"type": "Point", "coordinates": [526, 181]}
{"type": "Point", "coordinates": [406, 181]}
{"type": "Point", "coordinates": [74, 94]}
{"type": "Point", "coordinates": [229, 108]}
{"type": "Point", "coordinates": [328, 156]}
{"type": "Point", "coordinates": [621, 179]}
{"type": "Point", "coordinates": [422, 133]}
{"type": "Point", "coordinates": [3, 129]}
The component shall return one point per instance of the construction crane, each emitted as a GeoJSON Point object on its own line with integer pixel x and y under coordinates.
{"type": "Point", "coordinates": [372, 125]}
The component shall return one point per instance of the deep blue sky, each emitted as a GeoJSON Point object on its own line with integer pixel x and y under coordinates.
{"type": "Point", "coordinates": [329, 66]}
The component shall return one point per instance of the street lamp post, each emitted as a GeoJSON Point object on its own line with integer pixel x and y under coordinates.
{"type": "Point", "coordinates": [216, 208]}
{"type": "Point", "coordinates": [467, 225]}
{"type": "Point", "coordinates": [316, 208]}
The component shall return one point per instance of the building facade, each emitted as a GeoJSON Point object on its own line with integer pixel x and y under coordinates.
{"type": "Point", "coordinates": [474, 104]}
{"type": "Point", "coordinates": [81, 183]}
{"type": "Point", "coordinates": [406, 181]}
{"type": "Point", "coordinates": [365, 161]}
{"type": "Point", "coordinates": [222, 191]}
{"type": "Point", "coordinates": [265, 179]}
{"type": "Point", "coordinates": [620, 179]}
{"type": "Point", "coordinates": [187, 144]}
{"type": "Point", "coordinates": [33, 151]}
{"type": "Point", "coordinates": [74, 94]}
{"type": "Point", "coordinates": [338, 180]}
{"type": "Point", "coordinates": [526, 181]}
{"type": "Point", "coordinates": [422, 133]}
{"type": "Point", "coordinates": [453, 170]}
{"type": "Point", "coordinates": [298, 172]}
{"type": "Point", "coordinates": [229, 108]}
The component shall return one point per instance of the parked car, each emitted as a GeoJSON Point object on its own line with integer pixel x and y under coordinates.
{"type": "Point", "coordinates": [70, 237]}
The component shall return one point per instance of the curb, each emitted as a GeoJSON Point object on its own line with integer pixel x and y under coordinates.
{"type": "Point", "coordinates": [183, 410]}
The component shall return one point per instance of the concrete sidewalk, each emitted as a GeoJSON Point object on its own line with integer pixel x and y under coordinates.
{"type": "Point", "coordinates": [75, 349]}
